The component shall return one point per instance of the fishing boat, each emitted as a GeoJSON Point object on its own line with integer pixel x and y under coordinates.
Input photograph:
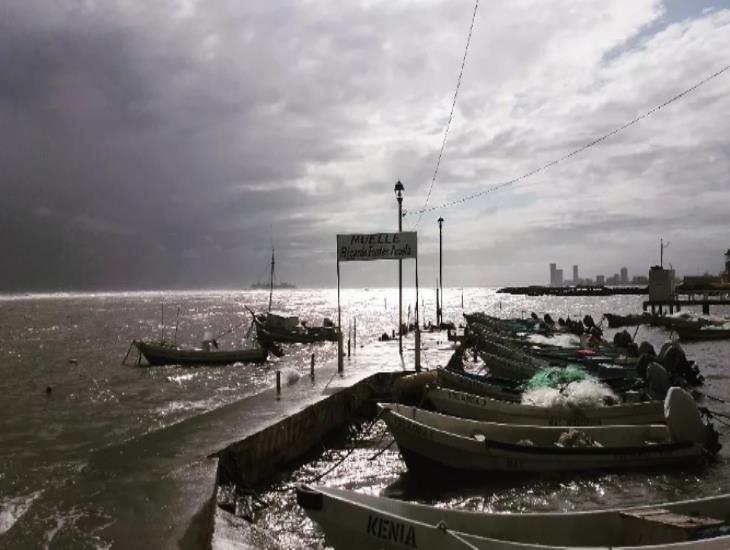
{"type": "Point", "coordinates": [273, 327]}
{"type": "Point", "coordinates": [165, 353]}
{"type": "Point", "coordinates": [479, 407]}
{"type": "Point", "coordinates": [476, 384]}
{"type": "Point", "coordinates": [708, 332]}
{"type": "Point", "coordinates": [355, 521]}
{"type": "Point", "coordinates": [432, 441]}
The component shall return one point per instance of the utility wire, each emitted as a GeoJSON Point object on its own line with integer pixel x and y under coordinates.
{"type": "Point", "coordinates": [451, 115]}
{"type": "Point", "coordinates": [571, 154]}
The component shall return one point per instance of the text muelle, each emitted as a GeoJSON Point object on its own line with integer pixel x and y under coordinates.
{"type": "Point", "coordinates": [377, 246]}
{"type": "Point", "coordinates": [376, 238]}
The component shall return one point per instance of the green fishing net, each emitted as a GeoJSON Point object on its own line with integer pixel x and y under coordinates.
{"type": "Point", "coordinates": [552, 377]}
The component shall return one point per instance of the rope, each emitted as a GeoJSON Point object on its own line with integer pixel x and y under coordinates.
{"type": "Point", "coordinates": [451, 114]}
{"type": "Point", "coordinates": [552, 163]}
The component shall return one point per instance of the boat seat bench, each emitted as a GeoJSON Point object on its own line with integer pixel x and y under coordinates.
{"type": "Point", "coordinates": [659, 525]}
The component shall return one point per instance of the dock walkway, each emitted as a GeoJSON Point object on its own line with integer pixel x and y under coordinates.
{"type": "Point", "coordinates": [157, 491]}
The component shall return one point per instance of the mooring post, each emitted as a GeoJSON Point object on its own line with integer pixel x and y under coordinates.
{"type": "Point", "coordinates": [340, 355]}
{"type": "Point", "coordinates": [311, 369]}
{"type": "Point", "coordinates": [348, 347]}
{"type": "Point", "coordinates": [354, 335]}
{"type": "Point", "coordinates": [278, 384]}
{"type": "Point", "coordinates": [418, 349]}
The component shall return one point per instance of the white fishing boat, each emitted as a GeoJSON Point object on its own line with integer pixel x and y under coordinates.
{"type": "Point", "coordinates": [479, 407]}
{"type": "Point", "coordinates": [433, 441]}
{"type": "Point", "coordinates": [355, 521]}
{"type": "Point", "coordinates": [477, 384]}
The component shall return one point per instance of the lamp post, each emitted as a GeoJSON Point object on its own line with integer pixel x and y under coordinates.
{"type": "Point", "coordinates": [398, 190]}
{"type": "Point", "coordinates": [441, 273]}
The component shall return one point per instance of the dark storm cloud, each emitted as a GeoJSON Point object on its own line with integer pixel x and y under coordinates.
{"type": "Point", "coordinates": [149, 145]}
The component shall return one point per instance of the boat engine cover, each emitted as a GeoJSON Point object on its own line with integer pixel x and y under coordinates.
{"type": "Point", "coordinates": [683, 417]}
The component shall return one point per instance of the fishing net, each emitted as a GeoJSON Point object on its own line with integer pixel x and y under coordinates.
{"type": "Point", "coordinates": [555, 377]}
{"type": "Point", "coordinates": [581, 393]}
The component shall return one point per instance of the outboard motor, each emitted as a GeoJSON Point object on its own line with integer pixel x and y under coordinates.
{"type": "Point", "coordinates": [684, 421]}
{"type": "Point", "coordinates": [622, 339]}
{"type": "Point", "coordinates": [657, 380]}
{"type": "Point", "coordinates": [548, 320]}
{"type": "Point", "coordinates": [645, 348]}
{"type": "Point", "coordinates": [534, 316]}
{"type": "Point", "coordinates": [588, 321]}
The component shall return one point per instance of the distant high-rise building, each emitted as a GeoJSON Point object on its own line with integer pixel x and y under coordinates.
{"type": "Point", "coordinates": [575, 275]}
{"type": "Point", "coordinates": [553, 274]}
{"type": "Point", "coordinates": [600, 280]}
{"type": "Point", "coordinates": [624, 276]}
{"type": "Point", "coordinates": [559, 277]}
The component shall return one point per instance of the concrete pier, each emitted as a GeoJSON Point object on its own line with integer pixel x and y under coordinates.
{"type": "Point", "coordinates": [162, 486]}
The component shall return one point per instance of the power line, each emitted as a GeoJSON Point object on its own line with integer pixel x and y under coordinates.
{"type": "Point", "coordinates": [572, 153]}
{"type": "Point", "coordinates": [451, 115]}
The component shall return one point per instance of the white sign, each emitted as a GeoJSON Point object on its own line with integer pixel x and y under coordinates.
{"type": "Point", "coordinates": [376, 246]}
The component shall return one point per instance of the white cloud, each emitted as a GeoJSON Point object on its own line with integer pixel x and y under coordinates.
{"type": "Point", "coordinates": [184, 119]}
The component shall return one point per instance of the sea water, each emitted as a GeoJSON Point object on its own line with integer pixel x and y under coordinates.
{"type": "Point", "coordinates": [64, 396]}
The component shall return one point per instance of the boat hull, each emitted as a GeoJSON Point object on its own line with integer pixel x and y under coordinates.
{"type": "Point", "coordinates": [696, 334]}
{"type": "Point", "coordinates": [425, 447]}
{"type": "Point", "coordinates": [157, 355]}
{"type": "Point", "coordinates": [473, 384]}
{"type": "Point", "coordinates": [267, 334]}
{"type": "Point", "coordinates": [478, 407]}
{"type": "Point", "coordinates": [353, 520]}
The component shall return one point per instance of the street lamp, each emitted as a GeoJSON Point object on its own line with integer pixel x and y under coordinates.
{"type": "Point", "coordinates": [398, 190]}
{"type": "Point", "coordinates": [441, 273]}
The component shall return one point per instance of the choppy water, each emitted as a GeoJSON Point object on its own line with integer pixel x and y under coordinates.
{"type": "Point", "coordinates": [74, 344]}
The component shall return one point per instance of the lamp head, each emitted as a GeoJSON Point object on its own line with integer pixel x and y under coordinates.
{"type": "Point", "coordinates": [440, 220]}
{"type": "Point", "coordinates": [398, 190]}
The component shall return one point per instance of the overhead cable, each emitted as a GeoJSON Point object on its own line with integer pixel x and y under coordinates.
{"type": "Point", "coordinates": [451, 116]}
{"type": "Point", "coordinates": [568, 155]}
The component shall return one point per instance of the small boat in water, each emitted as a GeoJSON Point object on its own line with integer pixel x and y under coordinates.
{"type": "Point", "coordinates": [280, 328]}
{"type": "Point", "coordinates": [479, 407]}
{"type": "Point", "coordinates": [707, 332]}
{"type": "Point", "coordinates": [355, 521]}
{"type": "Point", "coordinates": [165, 353]}
{"type": "Point", "coordinates": [431, 441]}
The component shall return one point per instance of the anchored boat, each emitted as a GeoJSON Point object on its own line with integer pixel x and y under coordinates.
{"type": "Point", "coordinates": [359, 521]}
{"type": "Point", "coordinates": [163, 353]}
{"type": "Point", "coordinates": [432, 441]}
{"type": "Point", "coordinates": [479, 407]}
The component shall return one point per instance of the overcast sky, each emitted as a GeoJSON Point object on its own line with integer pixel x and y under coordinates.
{"type": "Point", "coordinates": [149, 145]}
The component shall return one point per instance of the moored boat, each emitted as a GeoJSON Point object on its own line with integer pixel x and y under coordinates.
{"type": "Point", "coordinates": [432, 441]}
{"type": "Point", "coordinates": [477, 384]}
{"type": "Point", "coordinates": [479, 407]}
{"type": "Point", "coordinates": [157, 353]}
{"type": "Point", "coordinates": [277, 328]}
{"type": "Point", "coordinates": [358, 521]}
{"type": "Point", "coordinates": [707, 332]}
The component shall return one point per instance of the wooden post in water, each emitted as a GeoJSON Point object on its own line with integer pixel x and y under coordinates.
{"type": "Point", "coordinates": [354, 335]}
{"type": "Point", "coordinates": [311, 368]}
{"type": "Point", "coordinates": [177, 321]}
{"type": "Point", "coordinates": [340, 354]}
{"type": "Point", "coordinates": [278, 384]}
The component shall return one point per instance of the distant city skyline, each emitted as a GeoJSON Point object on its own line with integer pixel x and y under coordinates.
{"type": "Point", "coordinates": [621, 278]}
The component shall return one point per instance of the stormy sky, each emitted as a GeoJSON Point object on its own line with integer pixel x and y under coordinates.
{"type": "Point", "coordinates": [149, 145]}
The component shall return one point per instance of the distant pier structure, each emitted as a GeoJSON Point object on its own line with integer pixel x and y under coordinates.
{"type": "Point", "coordinates": [703, 291]}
